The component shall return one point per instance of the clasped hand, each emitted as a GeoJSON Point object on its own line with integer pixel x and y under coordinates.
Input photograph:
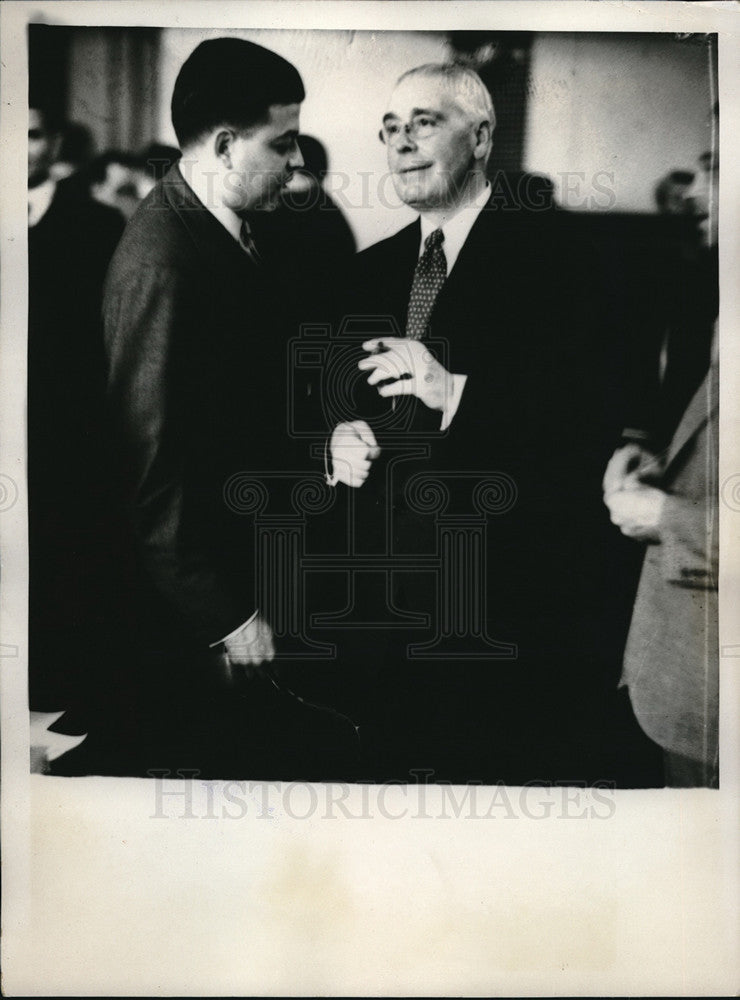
{"type": "Point", "coordinates": [415, 370]}
{"type": "Point", "coordinates": [251, 648]}
{"type": "Point", "coordinates": [634, 506]}
{"type": "Point", "coordinates": [353, 448]}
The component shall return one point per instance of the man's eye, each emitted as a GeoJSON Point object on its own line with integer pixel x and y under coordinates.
{"type": "Point", "coordinates": [390, 129]}
{"type": "Point", "coordinates": [425, 122]}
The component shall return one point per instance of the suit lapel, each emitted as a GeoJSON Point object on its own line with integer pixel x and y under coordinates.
{"type": "Point", "coordinates": [406, 253]}
{"type": "Point", "coordinates": [700, 410]}
{"type": "Point", "coordinates": [478, 263]}
{"type": "Point", "coordinates": [206, 232]}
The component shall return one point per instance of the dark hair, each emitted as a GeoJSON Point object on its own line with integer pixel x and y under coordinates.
{"type": "Point", "coordinates": [157, 159]}
{"type": "Point", "coordinates": [663, 188]}
{"type": "Point", "coordinates": [97, 169]}
{"type": "Point", "coordinates": [76, 143]}
{"type": "Point", "coordinates": [229, 81]}
{"type": "Point", "coordinates": [315, 159]}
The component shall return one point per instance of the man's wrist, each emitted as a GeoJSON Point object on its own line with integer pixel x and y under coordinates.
{"type": "Point", "coordinates": [636, 435]}
{"type": "Point", "coordinates": [457, 384]}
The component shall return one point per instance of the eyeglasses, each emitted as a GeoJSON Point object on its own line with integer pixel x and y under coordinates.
{"type": "Point", "coordinates": [421, 127]}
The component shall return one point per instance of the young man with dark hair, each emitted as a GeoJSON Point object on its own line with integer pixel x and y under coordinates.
{"type": "Point", "coordinates": [196, 324]}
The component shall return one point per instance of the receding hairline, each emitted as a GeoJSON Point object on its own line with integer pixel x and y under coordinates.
{"type": "Point", "coordinates": [454, 75]}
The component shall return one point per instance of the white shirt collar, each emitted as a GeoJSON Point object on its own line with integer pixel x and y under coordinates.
{"type": "Point", "coordinates": [457, 229]}
{"type": "Point", "coordinates": [39, 200]}
{"type": "Point", "coordinates": [199, 185]}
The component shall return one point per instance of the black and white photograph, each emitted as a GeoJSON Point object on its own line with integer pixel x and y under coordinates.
{"type": "Point", "coordinates": [368, 386]}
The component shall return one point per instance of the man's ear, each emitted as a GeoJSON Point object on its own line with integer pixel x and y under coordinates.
{"type": "Point", "coordinates": [483, 139]}
{"type": "Point", "coordinates": [222, 145]}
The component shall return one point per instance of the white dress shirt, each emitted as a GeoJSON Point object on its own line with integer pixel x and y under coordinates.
{"type": "Point", "coordinates": [202, 187]}
{"type": "Point", "coordinates": [39, 201]}
{"type": "Point", "coordinates": [457, 229]}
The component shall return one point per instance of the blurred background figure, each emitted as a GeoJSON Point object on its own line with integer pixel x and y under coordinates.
{"type": "Point", "coordinates": [114, 179]}
{"type": "Point", "coordinates": [307, 197]}
{"type": "Point", "coordinates": [309, 228]}
{"type": "Point", "coordinates": [671, 193]}
{"type": "Point", "coordinates": [75, 150]}
{"type": "Point", "coordinates": [156, 159]}
{"type": "Point", "coordinates": [119, 180]}
{"type": "Point", "coordinates": [703, 198]}
{"type": "Point", "coordinates": [71, 239]}
{"type": "Point", "coordinates": [122, 180]}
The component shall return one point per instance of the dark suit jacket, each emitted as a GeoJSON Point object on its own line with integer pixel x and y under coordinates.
{"type": "Point", "coordinates": [69, 528]}
{"type": "Point", "coordinates": [516, 316]}
{"type": "Point", "coordinates": [196, 342]}
{"type": "Point", "coordinates": [68, 253]}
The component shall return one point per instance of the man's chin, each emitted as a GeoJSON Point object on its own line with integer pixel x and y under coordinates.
{"type": "Point", "coordinates": [266, 204]}
{"type": "Point", "coordinates": [412, 194]}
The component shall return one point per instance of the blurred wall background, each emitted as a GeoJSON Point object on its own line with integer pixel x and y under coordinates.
{"type": "Point", "coordinates": [104, 78]}
{"type": "Point", "coordinates": [636, 106]}
{"type": "Point", "coordinates": [603, 116]}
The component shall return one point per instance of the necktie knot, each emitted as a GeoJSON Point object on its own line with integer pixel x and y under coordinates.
{"type": "Point", "coordinates": [246, 242]}
{"type": "Point", "coordinates": [434, 240]}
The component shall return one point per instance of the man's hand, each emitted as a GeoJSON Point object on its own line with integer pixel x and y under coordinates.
{"type": "Point", "coordinates": [415, 369]}
{"type": "Point", "coordinates": [251, 648]}
{"type": "Point", "coordinates": [637, 512]}
{"type": "Point", "coordinates": [353, 447]}
{"type": "Point", "coordinates": [626, 461]}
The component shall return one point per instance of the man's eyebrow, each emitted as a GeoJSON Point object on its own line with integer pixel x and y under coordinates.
{"type": "Point", "coordinates": [391, 116]}
{"type": "Point", "coordinates": [290, 133]}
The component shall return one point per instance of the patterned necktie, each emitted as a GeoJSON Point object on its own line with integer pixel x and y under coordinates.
{"type": "Point", "coordinates": [248, 245]}
{"type": "Point", "coordinates": [429, 276]}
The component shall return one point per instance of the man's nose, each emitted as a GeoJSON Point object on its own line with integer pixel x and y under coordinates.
{"type": "Point", "coordinates": [404, 140]}
{"type": "Point", "coordinates": [296, 157]}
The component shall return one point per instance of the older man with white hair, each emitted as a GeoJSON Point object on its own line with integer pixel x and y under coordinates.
{"type": "Point", "coordinates": [475, 383]}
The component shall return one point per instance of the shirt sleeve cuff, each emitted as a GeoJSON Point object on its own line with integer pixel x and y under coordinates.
{"type": "Point", "coordinates": [636, 434]}
{"type": "Point", "coordinates": [458, 384]}
{"type": "Point", "coordinates": [235, 632]}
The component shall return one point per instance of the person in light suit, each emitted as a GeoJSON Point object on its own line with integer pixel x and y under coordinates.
{"type": "Point", "coordinates": [671, 666]}
{"type": "Point", "coordinates": [196, 323]}
{"type": "Point", "coordinates": [486, 366]}
{"type": "Point", "coordinates": [661, 488]}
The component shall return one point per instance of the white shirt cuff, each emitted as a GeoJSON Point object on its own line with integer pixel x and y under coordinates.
{"type": "Point", "coordinates": [235, 632]}
{"type": "Point", "coordinates": [635, 434]}
{"type": "Point", "coordinates": [458, 384]}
